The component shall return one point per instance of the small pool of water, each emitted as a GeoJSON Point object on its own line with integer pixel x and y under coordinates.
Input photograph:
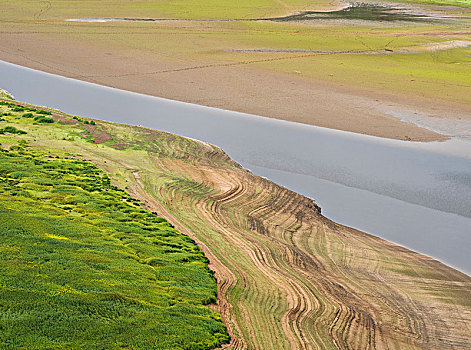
{"type": "Point", "coordinates": [360, 11]}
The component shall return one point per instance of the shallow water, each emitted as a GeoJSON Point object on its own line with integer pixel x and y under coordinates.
{"type": "Point", "coordinates": [359, 11]}
{"type": "Point", "coordinates": [415, 194]}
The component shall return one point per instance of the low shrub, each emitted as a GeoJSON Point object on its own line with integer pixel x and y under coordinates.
{"type": "Point", "coordinates": [43, 112]}
{"type": "Point", "coordinates": [43, 119]}
{"type": "Point", "coordinates": [12, 130]}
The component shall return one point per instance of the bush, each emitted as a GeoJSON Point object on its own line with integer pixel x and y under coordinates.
{"type": "Point", "coordinates": [28, 115]}
{"type": "Point", "coordinates": [43, 119]}
{"type": "Point", "coordinates": [12, 130]}
{"type": "Point", "coordinates": [43, 112]}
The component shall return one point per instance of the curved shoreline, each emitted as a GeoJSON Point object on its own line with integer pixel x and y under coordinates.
{"type": "Point", "coordinates": [191, 120]}
{"type": "Point", "coordinates": [291, 277]}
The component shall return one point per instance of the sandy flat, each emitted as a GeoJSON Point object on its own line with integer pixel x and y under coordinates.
{"type": "Point", "coordinates": [243, 87]}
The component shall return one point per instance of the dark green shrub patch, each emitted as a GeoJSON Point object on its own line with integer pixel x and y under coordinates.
{"type": "Point", "coordinates": [43, 112]}
{"type": "Point", "coordinates": [43, 119]}
{"type": "Point", "coordinates": [12, 130]}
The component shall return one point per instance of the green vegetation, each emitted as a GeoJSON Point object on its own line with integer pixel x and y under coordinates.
{"type": "Point", "coordinates": [201, 9]}
{"type": "Point", "coordinates": [15, 107]}
{"type": "Point", "coordinates": [85, 267]}
{"type": "Point", "coordinates": [5, 94]}
{"type": "Point", "coordinates": [12, 130]}
{"type": "Point", "coordinates": [91, 122]}
{"type": "Point", "coordinates": [461, 3]}
{"type": "Point", "coordinates": [43, 119]}
{"type": "Point", "coordinates": [43, 112]}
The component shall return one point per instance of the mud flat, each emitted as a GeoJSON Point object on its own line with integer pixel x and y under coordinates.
{"type": "Point", "coordinates": [415, 194]}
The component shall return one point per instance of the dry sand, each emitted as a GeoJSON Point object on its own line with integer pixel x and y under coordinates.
{"type": "Point", "coordinates": [240, 87]}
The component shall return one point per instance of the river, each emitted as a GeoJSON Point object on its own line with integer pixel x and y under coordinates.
{"type": "Point", "coordinates": [415, 194]}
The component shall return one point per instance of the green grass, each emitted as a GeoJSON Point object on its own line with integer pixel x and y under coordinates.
{"type": "Point", "coordinates": [199, 9]}
{"type": "Point", "coordinates": [461, 3]}
{"type": "Point", "coordinates": [85, 267]}
{"type": "Point", "coordinates": [5, 94]}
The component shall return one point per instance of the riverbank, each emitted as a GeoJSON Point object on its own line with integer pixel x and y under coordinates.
{"type": "Point", "coordinates": [380, 95]}
{"type": "Point", "coordinates": [423, 183]}
{"type": "Point", "coordinates": [287, 276]}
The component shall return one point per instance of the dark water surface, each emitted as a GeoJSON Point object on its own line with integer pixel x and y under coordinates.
{"type": "Point", "coordinates": [414, 194]}
{"type": "Point", "coordinates": [359, 11]}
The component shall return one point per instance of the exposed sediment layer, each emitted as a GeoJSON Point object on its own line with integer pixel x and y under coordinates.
{"type": "Point", "coordinates": [288, 277]}
{"type": "Point", "coordinates": [297, 280]}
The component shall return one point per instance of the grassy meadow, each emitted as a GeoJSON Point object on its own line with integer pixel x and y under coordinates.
{"type": "Point", "coordinates": [188, 9]}
{"type": "Point", "coordinates": [84, 266]}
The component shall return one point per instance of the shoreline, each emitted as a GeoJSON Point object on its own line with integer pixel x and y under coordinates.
{"type": "Point", "coordinates": [432, 145]}
{"type": "Point", "coordinates": [194, 111]}
{"type": "Point", "coordinates": [283, 253]}
{"type": "Point", "coordinates": [335, 108]}
{"type": "Point", "coordinates": [394, 96]}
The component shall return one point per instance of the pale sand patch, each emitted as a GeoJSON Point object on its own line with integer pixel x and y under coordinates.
{"type": "Point", "coordinates": [238, 87]}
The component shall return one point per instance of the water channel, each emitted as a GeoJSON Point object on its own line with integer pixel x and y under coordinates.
{"type": "Point", "coordinates": [414, 194]}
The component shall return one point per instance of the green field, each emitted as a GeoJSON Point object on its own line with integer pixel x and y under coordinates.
{"type": "Point", "coordinates": [186, 9]}
{"type": "Point", "coordinates": [194, 9]}
{"type": "Point", "coordinates": [84, 266]}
